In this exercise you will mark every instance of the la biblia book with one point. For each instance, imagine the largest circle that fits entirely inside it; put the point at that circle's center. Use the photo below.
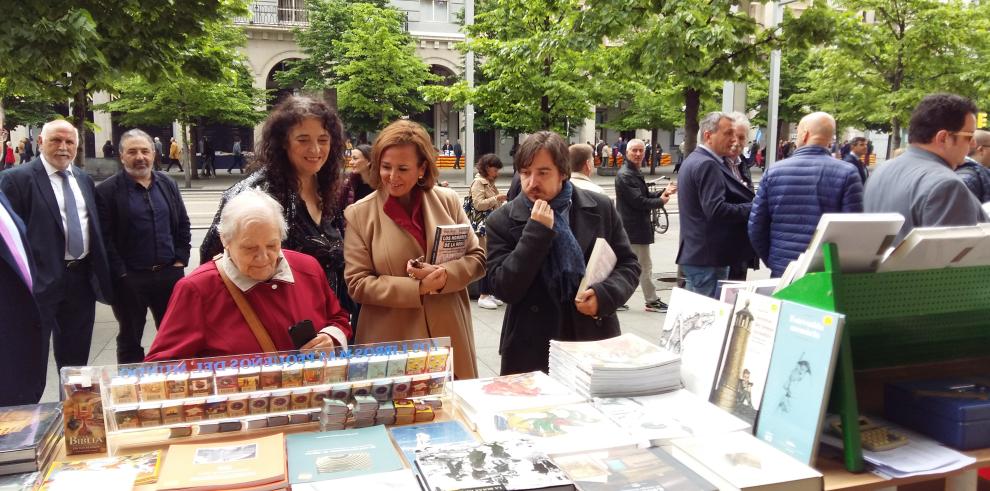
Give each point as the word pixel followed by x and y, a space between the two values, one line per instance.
pixel 600 264
pixel 695 328
pixel 235 464
pixel 450 242
pixel 745 360
pixel 500 465
pixel 321 456
pixel 801 368
pixel 630 469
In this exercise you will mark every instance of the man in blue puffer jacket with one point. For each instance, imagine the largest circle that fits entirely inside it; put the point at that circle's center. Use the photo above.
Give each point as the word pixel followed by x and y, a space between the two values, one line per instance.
pixel 795 193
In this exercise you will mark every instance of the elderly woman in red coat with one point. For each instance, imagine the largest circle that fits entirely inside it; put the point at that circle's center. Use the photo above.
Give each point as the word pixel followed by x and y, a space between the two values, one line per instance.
pixel 282 287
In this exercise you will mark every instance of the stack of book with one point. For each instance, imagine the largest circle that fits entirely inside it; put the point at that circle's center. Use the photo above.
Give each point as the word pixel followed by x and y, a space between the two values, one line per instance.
pixel 480 399
pixel 29 436
pixel 622 366
pixel 334 415
pixel 363 410
pixel 257 464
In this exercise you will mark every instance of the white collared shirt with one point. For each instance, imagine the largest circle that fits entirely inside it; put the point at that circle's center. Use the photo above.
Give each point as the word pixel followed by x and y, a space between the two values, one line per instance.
pixel 283 274
pixel 81 210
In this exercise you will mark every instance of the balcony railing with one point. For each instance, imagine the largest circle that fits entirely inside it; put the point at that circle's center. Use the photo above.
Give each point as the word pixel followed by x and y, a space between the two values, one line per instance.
pixel 270 15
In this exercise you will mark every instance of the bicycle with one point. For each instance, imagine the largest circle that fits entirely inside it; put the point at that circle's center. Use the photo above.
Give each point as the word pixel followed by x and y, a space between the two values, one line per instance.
pixel 658 216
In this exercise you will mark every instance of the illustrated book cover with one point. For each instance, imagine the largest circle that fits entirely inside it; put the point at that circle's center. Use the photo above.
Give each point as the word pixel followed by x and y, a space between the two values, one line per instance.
pixel 630 469
pixel 565 428
pixel 480 399
pixel 695 328
pixel 147 466
pixel 663 417
pixel 801 367
pixel 740 461
pixel 321 456
pixel 499 465
pixel 410 438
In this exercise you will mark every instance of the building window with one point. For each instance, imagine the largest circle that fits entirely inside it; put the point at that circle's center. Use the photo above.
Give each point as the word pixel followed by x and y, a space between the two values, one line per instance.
pixel 433 10
pixel 292 11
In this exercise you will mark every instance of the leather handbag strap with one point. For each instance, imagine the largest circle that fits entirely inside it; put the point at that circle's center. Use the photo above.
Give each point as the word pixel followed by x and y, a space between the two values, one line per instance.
pixel 260 333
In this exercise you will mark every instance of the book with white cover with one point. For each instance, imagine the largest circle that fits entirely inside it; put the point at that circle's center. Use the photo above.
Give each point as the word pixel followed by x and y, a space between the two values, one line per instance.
pixel 479 399
pixel 695 328
pixel 980 254
pixel 862 240
pixel 746 354
pixel 740 461
pixel 627 351
pixel 503 465
pixel 600 264
pixel 561 429
pixel 932 248
pixel 664 417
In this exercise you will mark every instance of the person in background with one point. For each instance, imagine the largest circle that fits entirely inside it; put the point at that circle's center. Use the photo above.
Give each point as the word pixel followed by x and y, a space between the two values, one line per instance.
pixel 486 198
pixel 27 153
pixel 458 152
pixel 582 164
pixel 538 246
pixel 159 154
pixel 387 246
pixel 975 170
pixel 146 229
pixel 857 152
pixel 108 150
pixel 280 287
pixel 298 163
pixel 356 185
pixel 173 155
pixel 238 156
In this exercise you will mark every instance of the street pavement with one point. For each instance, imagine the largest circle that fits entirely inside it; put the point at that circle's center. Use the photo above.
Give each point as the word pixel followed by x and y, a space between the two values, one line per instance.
pixel 201 203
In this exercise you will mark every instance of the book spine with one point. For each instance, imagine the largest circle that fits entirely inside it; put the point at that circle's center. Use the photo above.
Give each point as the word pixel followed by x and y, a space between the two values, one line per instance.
pixel 436 245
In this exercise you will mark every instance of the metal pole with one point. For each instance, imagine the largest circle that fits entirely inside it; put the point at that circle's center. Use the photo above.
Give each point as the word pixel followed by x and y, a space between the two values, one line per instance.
pixel 774 94
pixel 469 109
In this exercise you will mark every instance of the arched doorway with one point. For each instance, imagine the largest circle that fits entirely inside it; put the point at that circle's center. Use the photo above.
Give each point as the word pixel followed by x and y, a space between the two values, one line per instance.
pixel 440 119
pixel 276 90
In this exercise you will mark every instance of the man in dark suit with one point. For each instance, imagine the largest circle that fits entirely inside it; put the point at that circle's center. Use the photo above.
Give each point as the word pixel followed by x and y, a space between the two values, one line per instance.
pixel 458 152
pixel 714 207
pixel 23 354
pixel 147 240
pixel 857 152
pixel 57 202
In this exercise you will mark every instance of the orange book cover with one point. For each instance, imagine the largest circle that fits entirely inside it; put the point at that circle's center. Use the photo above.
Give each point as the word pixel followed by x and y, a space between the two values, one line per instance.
pixel 233 464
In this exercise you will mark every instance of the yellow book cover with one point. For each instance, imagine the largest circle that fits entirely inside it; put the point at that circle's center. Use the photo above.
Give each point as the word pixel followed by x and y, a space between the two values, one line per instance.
pixel 224 465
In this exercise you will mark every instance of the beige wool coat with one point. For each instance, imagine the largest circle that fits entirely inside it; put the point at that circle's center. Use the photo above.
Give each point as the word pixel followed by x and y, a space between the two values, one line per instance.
pixel 376 251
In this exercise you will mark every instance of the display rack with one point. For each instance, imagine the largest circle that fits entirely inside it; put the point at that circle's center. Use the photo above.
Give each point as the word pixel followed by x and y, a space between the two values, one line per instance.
pixel 152 403
pixel 894 319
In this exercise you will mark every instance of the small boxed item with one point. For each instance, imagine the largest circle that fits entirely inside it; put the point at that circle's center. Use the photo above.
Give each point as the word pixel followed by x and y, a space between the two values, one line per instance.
pixel 201 383
pixel 123 390
pixel 955 412
pixel 249 379
pixel 227 381
pixel 177 386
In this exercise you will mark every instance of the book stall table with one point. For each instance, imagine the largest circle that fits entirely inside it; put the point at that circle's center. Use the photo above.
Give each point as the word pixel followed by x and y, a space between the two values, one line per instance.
pixel 899 326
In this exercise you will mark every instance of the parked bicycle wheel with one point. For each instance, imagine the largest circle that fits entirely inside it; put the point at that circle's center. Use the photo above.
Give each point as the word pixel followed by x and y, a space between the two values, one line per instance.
pixel 659 220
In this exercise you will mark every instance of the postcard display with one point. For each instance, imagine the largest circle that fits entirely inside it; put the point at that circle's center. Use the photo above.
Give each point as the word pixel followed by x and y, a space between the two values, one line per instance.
pixel 114 406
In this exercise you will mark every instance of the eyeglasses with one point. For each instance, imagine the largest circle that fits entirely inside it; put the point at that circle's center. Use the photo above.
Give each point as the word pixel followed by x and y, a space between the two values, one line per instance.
pixel 967 134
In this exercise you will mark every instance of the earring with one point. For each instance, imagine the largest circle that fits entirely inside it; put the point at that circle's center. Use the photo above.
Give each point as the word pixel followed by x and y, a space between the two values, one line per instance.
pixel 420 182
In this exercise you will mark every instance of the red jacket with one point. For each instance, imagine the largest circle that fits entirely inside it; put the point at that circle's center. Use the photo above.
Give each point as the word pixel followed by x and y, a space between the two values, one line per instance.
pixel 203 320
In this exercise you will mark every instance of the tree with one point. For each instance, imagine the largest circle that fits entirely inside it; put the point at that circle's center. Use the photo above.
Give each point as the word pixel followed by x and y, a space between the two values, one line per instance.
pixel 72 48
pixel 380 74
pixel 892 53
pixel 794 67
pixel 695 43
pixel 230 99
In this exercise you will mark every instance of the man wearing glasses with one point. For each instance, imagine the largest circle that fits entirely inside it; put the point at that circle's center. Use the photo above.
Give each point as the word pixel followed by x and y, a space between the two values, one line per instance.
pixel 921 184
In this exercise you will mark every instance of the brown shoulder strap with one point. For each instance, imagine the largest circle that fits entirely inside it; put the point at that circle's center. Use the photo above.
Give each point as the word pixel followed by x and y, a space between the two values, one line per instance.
pixel 267 345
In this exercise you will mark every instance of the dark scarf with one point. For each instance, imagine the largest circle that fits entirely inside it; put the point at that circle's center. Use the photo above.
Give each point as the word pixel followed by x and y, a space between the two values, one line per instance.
pixel 564 267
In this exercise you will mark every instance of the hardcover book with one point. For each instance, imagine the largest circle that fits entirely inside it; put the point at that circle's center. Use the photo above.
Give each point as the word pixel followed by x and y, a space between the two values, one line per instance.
pixel 740 461
pixel 82 415
pixel 745 357
pixel 630 469
pixel 558 429
pixel 509 465
pixel 801 368
pixel 147 466
pixel 322 456
pixel 418 437
pixel 24 430
pixel 450 242
pixel 695 328
pixel 862 240
pixel 226 465
pixel 933 248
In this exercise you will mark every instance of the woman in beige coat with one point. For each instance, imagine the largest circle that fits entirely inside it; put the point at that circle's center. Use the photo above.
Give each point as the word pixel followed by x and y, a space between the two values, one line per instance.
pixel 388 230
pixel 486 198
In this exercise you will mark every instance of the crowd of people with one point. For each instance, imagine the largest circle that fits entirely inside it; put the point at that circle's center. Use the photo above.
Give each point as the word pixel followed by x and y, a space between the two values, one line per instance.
pixel 300 242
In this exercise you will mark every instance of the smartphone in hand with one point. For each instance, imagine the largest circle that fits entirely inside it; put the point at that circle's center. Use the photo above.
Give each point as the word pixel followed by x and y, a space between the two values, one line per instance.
pixel 302 333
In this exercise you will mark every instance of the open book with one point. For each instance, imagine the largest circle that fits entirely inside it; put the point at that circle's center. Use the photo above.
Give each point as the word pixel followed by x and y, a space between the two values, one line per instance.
pixel 600 264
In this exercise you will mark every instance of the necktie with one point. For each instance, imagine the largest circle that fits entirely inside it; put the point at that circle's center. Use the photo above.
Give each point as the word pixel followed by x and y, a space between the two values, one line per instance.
pixel 74 237
pixel 15 251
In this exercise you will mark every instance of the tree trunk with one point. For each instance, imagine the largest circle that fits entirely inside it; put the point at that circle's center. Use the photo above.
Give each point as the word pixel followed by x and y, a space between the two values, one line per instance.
pixel 79 108
pixel 655 158
pixel 545 100
pixel 895 135
pixel 692 104
pixel 187 168
pixel 194 144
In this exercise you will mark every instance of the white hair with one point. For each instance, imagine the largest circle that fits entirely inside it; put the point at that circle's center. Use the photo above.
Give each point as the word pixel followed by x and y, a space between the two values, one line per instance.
pixel 250 205
pixel 50 126
pixel 739 118
pixel 635 140
pixel 135 133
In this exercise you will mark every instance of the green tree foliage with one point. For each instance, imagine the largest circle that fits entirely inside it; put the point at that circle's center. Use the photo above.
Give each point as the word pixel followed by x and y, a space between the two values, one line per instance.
pixel 380 74
pixel 72 48
pixel 695 44
pixel 891 53
pixel 229 99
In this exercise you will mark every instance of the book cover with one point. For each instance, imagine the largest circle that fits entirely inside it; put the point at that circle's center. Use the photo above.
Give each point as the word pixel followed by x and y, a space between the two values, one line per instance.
pixel 933 248
pixel 449 242
pixel 321 456
pixel 738 460
pixel 630 469
pixel 627 351
pixel 147 466
pixel 745 357
pixel 480 398
pixel 695 328
pixel 600 264
pixel 225 465
pixel 19 482
pixel 82 416
pixel 24 430
pixel 800 377
pixel 557 429
pixel 401 480
pixel 862 239
pixel 503 465
pixel 664 417
pixel 418 437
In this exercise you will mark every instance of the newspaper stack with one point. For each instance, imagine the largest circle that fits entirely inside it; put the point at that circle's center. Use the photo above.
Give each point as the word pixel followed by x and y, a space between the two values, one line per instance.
pixel 385 414
pixel 623 366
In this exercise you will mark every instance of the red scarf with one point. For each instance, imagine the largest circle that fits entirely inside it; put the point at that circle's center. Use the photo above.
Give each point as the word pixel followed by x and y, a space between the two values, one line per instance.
pixel 411 223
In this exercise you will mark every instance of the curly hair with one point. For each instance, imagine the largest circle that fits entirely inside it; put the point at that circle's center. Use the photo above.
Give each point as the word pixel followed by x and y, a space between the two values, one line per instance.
pixel 273 158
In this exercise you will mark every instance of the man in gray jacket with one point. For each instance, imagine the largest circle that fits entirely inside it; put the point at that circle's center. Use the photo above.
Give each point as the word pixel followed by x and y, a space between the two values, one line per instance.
pixel 921 184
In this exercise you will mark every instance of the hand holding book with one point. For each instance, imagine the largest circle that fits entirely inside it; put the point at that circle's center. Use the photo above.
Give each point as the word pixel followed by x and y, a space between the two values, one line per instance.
pixel 587 303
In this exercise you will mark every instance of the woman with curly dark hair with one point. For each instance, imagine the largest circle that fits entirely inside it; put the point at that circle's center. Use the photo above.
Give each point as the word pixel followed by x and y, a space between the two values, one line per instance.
pixel 298 163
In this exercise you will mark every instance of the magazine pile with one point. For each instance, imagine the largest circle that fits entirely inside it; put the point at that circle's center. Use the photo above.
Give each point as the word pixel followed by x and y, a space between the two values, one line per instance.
pixel 622 366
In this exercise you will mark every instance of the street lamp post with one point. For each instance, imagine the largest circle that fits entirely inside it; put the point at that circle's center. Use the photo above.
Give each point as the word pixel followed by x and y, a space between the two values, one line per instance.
pixel 469 109
pixel 776 9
